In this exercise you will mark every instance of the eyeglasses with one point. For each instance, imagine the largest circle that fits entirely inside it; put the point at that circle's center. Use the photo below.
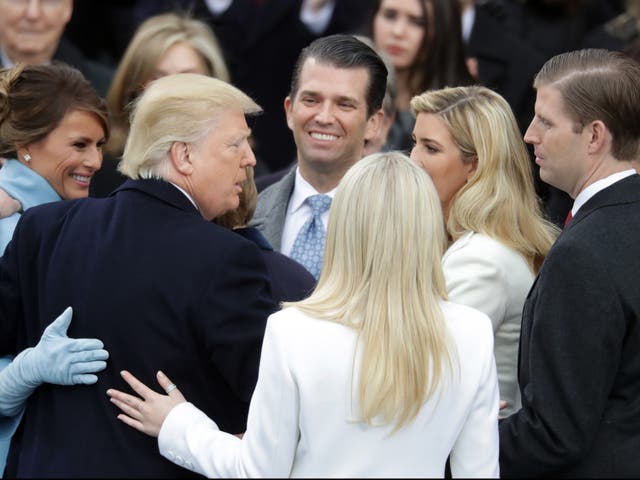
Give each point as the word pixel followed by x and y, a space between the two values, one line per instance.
pixel 44 4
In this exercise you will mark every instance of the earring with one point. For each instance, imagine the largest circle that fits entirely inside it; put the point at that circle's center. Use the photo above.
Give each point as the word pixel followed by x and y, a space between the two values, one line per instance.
pixel 27 157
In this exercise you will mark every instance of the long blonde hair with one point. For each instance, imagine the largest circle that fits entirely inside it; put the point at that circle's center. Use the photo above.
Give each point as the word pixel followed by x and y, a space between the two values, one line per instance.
pixel 152 39
pixel 499 200
pixel 382 276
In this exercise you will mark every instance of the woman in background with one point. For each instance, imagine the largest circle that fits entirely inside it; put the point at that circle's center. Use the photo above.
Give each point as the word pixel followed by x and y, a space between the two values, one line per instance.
pixel 468 141
pixel 375 374
pixel 423 39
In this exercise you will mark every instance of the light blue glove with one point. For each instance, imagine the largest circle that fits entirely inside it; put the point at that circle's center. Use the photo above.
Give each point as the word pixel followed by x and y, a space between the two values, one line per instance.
pixel 56 359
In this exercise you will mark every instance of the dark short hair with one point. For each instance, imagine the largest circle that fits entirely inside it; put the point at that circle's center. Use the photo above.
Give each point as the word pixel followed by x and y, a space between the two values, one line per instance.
pixel 598 84
pixel 35 98
pixel 346 51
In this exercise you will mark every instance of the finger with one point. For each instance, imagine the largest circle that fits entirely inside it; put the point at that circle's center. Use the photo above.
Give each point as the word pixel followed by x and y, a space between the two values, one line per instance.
pixel 165 383
pixel 89 356
pixel 60 325
pixel 131 422
pixel 137 386
pixel 82 344
pixel 87 367
pixel 123 397
pixel 84 379
pixel 127 409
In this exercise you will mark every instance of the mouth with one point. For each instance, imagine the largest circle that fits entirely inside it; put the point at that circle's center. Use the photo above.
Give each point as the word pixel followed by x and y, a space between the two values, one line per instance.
pixel 323 137
pixel 83 180
pixel 395 50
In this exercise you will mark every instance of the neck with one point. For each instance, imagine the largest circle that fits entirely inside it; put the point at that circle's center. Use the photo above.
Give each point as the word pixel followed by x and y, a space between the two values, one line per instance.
pixel 602 169
pixel 323 181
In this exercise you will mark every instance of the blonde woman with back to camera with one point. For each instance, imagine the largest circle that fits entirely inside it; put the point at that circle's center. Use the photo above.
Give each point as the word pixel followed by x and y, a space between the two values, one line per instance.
pixel 375 374
pixel 467 139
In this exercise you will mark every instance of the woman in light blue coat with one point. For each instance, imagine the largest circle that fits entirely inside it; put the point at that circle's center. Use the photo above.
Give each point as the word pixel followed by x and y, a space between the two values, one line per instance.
pixel 52 128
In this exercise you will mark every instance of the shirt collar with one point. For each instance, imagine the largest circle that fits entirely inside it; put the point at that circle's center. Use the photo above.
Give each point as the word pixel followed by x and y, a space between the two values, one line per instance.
pixel 303 190
pixel 595 187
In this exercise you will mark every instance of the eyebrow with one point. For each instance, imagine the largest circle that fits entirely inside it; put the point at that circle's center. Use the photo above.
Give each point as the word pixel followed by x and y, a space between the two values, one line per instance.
pixel 426 139
pixel 340 98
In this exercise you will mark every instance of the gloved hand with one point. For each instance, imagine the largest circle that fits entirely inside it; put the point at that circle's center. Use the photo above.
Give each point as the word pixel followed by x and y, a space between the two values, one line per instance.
pixel 61 360
pixel 56 359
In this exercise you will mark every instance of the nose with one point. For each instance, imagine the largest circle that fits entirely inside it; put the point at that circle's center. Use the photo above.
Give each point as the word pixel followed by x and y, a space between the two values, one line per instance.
pixel 398 27
pixel 325 113
pixel 34 9
pixel 530 136
pixel 93 159
pixel 249 158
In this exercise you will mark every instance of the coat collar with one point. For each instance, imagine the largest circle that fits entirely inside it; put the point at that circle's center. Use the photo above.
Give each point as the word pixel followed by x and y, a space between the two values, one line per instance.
pixel 161 190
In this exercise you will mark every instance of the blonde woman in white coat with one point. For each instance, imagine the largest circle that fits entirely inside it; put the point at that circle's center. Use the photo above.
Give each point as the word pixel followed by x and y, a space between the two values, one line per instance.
pixel 467 139
pixel 375 374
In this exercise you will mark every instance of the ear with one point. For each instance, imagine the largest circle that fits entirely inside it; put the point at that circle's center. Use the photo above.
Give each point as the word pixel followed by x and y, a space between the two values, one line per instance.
pixel 471 167
pixel 600 136
pixel 180 154
pixel 374 124
pixel 288 105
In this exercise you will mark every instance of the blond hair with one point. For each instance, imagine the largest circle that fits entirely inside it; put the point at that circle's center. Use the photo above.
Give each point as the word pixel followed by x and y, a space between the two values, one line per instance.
pixel 151 41
pixel 382 276
pixel 499 200
pixel 177 108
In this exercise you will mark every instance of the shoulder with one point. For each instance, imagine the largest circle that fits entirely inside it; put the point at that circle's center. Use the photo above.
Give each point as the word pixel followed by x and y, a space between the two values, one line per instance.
pixel 468 325
pixel 477 248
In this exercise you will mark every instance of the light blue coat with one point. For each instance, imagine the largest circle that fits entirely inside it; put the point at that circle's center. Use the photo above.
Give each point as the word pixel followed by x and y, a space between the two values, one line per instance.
pixel 26 186
pixel 30 189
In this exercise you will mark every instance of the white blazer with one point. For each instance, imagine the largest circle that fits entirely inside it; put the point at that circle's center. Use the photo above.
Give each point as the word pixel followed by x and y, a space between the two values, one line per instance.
pixel 303 417
pixel 485 274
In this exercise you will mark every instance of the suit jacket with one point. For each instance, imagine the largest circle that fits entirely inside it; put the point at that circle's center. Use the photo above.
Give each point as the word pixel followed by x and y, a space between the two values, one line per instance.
pixel 271 210
pixel 306 400
pixel 163 289
pixel 290 281
pixel 579 368
pixel 486 274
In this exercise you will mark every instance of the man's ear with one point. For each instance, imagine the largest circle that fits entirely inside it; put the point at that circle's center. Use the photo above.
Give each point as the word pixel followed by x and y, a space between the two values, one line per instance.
pixel 374 124
pixel 600 136
pixel 288 103
pixel 180 154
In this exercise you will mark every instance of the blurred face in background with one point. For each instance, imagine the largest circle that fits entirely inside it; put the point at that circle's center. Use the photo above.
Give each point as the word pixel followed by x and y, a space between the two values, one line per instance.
pixel 70 155
pixel 180 58
pixel 399 27
pixel 31 29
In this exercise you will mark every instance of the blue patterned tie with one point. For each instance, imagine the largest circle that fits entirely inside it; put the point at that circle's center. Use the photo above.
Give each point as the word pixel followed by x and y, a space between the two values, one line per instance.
pixel 309 245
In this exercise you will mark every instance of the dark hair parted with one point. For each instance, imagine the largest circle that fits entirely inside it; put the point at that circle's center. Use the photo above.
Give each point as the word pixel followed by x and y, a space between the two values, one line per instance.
pixel 598 84
pixel 346 51
pixel 35 98
pixel 440 61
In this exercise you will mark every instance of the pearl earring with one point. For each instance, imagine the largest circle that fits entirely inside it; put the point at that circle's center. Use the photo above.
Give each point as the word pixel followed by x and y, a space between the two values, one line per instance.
pixel 27 157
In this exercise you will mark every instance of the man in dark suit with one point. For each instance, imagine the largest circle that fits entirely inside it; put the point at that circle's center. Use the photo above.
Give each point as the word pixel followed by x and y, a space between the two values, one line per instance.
pixel 579 368
pixel 333 108
pixel 148 273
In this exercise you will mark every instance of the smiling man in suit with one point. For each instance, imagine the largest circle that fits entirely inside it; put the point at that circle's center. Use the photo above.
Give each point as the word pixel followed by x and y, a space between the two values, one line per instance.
pixel 334 107
pixel 579 368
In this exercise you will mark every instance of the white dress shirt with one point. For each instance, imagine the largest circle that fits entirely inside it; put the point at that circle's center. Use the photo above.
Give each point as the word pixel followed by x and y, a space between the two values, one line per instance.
pixel 597 186
pixel 298 212
pixel 303 416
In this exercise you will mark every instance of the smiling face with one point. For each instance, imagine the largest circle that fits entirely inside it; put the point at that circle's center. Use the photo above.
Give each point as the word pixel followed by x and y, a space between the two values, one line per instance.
pixel 70 155
pixel 560 150
pixel 218 165
pixel 436 152
pixel 328 117
pixel 399 28
pixel 31 29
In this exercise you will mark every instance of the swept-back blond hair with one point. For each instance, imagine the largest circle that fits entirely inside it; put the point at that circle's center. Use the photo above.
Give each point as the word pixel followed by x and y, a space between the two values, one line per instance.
pixel 499 200
pixel 382 276
pixel 177 108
